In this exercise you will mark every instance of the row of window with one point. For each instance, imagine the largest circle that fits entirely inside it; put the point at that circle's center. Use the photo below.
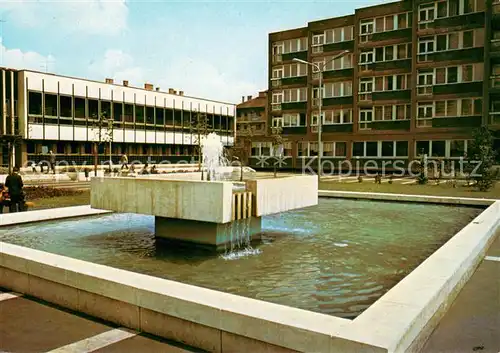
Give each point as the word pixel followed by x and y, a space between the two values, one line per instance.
pixel 82 108
pixel 328 63
pixel 427 13
pixel 290 70
pixel 384 24
pixel 450 108
pixel 336 35
pixel 77 148
pixel 451 41
pixel 448 75
pixel 385 53
pixel 365 149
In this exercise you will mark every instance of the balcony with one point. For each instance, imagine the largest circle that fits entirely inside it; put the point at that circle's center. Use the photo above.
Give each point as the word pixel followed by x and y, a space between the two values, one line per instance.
pixel 494 118
pixel 495 49
pixel 275 107
pixel 346 100
pixel 396 34
pixel 302 55
pixel 392 95
pixel 474 88
pixel 275 83
pixel 337 73
pixel 495 84
pixel 299 80
pixel 495 20
pixel 347 45
pixel 471 20
pixel 469 55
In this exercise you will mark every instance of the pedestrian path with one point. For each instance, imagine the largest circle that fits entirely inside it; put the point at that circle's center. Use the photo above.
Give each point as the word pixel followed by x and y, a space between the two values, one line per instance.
pixel 472 324
pixel 28 325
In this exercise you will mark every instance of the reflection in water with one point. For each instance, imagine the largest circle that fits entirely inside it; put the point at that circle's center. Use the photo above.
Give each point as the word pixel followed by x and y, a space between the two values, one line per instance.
pixel 336 258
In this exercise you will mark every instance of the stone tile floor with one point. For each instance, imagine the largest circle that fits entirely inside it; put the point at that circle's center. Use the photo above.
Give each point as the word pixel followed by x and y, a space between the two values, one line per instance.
pixel 31 326
pixel 472 324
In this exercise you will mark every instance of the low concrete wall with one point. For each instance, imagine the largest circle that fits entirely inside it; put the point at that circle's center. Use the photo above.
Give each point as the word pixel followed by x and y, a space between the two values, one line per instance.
pixel 182 199
pixel 203 318
pixel 277 195
pixel 447 200
pixel 400 321
pixel 9 219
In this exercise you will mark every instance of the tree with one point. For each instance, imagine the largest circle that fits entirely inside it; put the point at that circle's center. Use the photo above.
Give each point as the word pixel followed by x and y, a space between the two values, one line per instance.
pixel 199 125
pixel 482 156
pixel 277 141
pixel 242 147
pixel 10 141
pixel 103 132
pixel 422 177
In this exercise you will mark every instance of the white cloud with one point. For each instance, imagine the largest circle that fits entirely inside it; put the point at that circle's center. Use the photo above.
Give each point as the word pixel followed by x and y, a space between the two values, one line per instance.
pixel 89 16
pixel 117 65
pixel 17 59
pixel 195 77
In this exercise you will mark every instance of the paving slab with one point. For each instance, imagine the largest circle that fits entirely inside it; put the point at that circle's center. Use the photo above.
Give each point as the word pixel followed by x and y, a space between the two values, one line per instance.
pixel 28 326
pixel 472 324
pixel 141 344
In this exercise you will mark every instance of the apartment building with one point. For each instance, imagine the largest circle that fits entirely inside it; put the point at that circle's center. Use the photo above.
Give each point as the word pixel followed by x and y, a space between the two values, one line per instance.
pixel 415 77
pixel 58 113
pixel 251 116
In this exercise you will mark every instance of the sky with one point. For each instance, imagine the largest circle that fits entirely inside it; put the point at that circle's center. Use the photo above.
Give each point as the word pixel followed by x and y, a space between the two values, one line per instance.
pixel 210 49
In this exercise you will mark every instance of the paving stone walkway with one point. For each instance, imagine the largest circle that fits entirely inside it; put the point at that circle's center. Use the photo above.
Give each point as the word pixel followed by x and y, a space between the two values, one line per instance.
pixel 30 326
pixel 472 324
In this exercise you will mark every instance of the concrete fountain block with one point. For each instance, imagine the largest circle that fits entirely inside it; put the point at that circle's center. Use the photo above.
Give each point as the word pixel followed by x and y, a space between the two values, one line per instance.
pixel 276 195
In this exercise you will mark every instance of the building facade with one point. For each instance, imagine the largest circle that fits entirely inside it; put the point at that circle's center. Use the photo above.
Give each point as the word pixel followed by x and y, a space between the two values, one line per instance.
pixel 251 116
pixel 418 77
pixel 58 113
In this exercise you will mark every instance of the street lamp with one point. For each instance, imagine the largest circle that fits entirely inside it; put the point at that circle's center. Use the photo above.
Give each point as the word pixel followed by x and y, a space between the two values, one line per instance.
pixel 320 67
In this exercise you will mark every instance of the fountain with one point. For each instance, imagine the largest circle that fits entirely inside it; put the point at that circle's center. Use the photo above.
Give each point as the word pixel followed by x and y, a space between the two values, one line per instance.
pixel 213 156
pixel 213 213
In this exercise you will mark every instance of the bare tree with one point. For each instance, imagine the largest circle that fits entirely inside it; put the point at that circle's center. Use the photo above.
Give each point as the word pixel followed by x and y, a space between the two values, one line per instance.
pixel 102 128
pixel 242 147
pixel 199 125
pixel 277 141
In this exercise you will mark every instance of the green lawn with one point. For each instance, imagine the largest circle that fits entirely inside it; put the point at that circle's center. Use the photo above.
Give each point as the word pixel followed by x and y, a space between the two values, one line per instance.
pixel 61 201
pixel 413 189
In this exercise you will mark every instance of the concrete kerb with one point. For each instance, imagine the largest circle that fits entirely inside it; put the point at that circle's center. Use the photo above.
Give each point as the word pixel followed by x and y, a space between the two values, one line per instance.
pixel 400 321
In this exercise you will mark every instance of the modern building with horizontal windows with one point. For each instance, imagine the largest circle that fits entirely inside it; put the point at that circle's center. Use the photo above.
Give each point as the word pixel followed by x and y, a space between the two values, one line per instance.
pixel 58 113
pixel 399 79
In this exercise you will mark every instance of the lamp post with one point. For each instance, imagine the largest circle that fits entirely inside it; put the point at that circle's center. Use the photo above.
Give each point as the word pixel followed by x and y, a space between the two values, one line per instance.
pixel 320 68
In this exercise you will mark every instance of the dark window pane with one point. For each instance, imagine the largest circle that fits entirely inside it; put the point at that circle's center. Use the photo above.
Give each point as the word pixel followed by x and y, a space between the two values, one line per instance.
pixel 387 149
pixel 139 114
pixel 438 148
pixel 422 148
pixel 401 148
pixel 371 149
pixel 35 103
pixel 358 149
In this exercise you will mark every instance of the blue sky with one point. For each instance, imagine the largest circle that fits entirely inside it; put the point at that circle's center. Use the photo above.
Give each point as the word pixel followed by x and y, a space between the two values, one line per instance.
pixel 210 49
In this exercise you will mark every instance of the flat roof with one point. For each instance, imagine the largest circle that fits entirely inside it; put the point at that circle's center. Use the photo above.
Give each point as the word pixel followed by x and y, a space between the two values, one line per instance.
pixel 113 84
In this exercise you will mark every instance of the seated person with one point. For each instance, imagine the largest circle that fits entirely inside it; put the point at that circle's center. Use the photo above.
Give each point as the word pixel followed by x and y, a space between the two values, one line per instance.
pixel 4 198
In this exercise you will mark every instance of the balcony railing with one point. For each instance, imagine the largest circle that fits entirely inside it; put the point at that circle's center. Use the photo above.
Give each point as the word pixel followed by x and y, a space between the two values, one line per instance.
pixel 276 107
pixel 495 45
pixel 494 118
pixel 496 7
pixel 495 82
pixel 276 83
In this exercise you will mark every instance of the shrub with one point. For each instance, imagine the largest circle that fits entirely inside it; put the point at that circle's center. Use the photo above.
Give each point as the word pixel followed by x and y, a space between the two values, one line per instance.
pixel 44 192
pixel 4 170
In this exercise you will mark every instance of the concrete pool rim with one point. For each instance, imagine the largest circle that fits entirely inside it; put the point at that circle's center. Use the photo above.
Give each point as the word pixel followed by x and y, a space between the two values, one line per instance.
pixel 399 321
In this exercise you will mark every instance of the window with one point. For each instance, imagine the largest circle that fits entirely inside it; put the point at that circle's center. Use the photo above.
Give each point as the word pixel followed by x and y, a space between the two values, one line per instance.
pixel 277 122
pixel 468 39
pixel 291 120
pixel 426 45
pixel 401 148
pixel 438 148
pixel 318 39
pixel 366 57
pixel 35 103
pixel 365 115
pixel 277 97
pixel 467 73
pixel 358 149
pixel 337 116
pixel 457 148
pixel 277 73
pixel 452 74
pixel 371 149
pixel 425 111
pixel 340 149
pixel 426 13
pixel 387 148
pixel 365 88
pixel 466 107
pixel 422 148
pixel 424 83
pixel 294 70
pixel 366 27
